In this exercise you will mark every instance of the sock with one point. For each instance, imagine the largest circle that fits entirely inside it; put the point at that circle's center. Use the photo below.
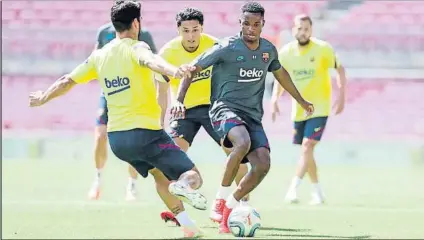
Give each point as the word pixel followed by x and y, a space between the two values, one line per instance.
pixel 223 192
pixel 316 188
pixel 295 182
pixel 231 202
pixel 131 181
pixel 98 173
pixel 185 220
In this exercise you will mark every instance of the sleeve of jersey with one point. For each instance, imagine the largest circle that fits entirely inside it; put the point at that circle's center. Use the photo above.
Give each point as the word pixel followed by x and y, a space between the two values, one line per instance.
pixel 85 72
pixel 331 57
pixel 147 38
pixel 275 64
pixel 212 56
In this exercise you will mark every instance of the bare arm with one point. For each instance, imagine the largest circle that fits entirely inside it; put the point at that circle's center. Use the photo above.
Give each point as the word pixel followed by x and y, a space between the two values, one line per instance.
pixel 277 91
pixel 162 98
pixel 284 79
pixel 153 61
pixel 58 88
pixel 341 79
pixel 185 84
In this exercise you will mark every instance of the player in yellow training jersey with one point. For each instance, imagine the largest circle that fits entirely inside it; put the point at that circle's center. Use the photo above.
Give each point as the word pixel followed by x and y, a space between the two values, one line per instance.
pixel 183 50
pixel 124 70
pixel 308 61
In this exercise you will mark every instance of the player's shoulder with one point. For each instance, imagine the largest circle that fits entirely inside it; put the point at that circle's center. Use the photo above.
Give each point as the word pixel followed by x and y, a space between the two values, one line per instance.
pixel 141 44
pixel 320 43
pixel 229 42
pixel 286 48
pixel 209 37
pixel 172 45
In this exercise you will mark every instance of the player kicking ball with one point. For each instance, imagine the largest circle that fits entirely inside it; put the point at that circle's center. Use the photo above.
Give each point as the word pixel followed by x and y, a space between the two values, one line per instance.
pixel 124 70
pixel 240 65
pixel 316 57
pixel 183 49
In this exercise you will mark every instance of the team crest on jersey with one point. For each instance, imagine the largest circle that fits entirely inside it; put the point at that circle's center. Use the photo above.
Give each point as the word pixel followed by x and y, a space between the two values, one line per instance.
pixel 265 57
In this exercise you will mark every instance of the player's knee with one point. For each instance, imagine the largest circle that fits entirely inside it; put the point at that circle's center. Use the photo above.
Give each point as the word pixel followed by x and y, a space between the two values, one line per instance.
pixel 308 145
pixel 243 144
pixel 264 161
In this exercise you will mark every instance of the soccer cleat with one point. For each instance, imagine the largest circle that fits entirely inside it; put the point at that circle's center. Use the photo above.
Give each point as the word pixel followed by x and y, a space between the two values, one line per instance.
pixel 291 197
pixel 131 194
pixel 217 209
pixel 94 192
pixel 223 226
pixel 192 232
pixel 169 216
pixel 317 199
pixel 188 195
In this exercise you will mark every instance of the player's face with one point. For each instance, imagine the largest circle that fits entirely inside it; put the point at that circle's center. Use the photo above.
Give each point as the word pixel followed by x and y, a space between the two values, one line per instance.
pixel 251 26
pixel 302 31
pixel 190 32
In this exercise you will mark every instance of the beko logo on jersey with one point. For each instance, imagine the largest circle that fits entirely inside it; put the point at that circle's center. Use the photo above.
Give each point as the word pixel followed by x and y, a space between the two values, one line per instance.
pixel 252 75
pixel 202 75
pixel 123 83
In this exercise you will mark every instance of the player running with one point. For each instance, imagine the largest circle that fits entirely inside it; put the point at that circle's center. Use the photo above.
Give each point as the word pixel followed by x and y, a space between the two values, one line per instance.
pixel 182 50
pixel 240 65
pixel 134 131
pixel 307 60
pixel 105 34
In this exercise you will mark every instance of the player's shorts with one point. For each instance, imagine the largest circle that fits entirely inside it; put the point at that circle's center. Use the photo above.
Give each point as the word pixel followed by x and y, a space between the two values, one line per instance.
pixel 188 127
pixel 312 129
pixel 224 119
pixel 146 149
pixel 102 117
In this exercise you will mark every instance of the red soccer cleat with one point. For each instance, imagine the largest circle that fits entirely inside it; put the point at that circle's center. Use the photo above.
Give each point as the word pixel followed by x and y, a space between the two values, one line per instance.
pixel 223 226
pixel 217 209
pixel 169 216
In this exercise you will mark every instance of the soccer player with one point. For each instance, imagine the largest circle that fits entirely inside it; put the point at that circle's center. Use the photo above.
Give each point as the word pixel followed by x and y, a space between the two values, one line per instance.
pixel 183 49
pixel 240 65
pixel 124 70
pixel 105 34
pixel 308 61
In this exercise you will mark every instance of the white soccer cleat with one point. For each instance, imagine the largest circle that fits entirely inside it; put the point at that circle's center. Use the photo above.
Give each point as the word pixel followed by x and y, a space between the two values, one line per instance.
pixel 131 194
pixel 94 192
pixel 291 197
pixel 188 195
pixel 317 199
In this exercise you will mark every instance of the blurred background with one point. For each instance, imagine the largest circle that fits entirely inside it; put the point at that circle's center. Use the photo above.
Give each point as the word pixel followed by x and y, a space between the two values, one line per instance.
pixel 381 44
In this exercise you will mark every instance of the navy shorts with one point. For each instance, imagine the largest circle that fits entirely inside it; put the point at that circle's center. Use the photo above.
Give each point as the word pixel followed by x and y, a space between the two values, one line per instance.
pixel 312 129
pixel 146 149
pixel 224 119
pixel 102 118
pixel 188 127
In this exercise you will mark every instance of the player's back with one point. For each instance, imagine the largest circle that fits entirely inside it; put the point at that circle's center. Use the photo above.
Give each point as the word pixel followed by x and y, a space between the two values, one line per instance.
pixel 238 79
pixel 128 87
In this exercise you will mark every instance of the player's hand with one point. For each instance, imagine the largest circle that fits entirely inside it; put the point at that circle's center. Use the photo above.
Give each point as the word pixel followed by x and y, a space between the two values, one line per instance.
pixel 339 104
pixel 308 107
pixel 275 110
pixel 178 110
pixel 184 71
pixel 36 99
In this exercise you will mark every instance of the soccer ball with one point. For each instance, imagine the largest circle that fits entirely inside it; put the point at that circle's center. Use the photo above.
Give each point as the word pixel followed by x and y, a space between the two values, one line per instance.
pixel 244 221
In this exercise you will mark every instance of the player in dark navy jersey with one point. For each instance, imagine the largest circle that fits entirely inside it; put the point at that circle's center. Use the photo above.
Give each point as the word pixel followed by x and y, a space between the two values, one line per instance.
pixel 240 65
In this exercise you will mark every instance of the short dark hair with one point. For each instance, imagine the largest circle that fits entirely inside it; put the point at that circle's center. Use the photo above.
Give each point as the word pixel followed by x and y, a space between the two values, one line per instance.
pixel 123 13
pixel 253 7
pixel 303 17
pixel 189 14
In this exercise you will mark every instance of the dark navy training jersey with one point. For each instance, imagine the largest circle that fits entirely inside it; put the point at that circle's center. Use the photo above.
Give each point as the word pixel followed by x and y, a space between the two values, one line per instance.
pixel 238 75
pixel 107 33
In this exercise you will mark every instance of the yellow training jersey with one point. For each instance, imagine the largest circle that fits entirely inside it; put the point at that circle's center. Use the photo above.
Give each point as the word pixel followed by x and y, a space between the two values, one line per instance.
pixel 128 87
pixel 309 69
pixel 200 90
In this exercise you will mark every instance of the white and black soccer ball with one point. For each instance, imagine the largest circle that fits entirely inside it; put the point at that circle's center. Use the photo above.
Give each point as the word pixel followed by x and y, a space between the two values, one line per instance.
pixel 244 221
